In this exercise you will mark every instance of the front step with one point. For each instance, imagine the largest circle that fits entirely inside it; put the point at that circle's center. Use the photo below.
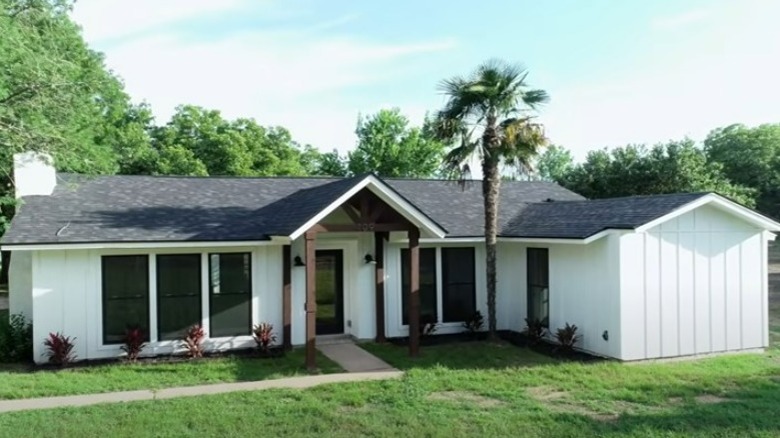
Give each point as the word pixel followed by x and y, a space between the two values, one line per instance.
pixel 334 339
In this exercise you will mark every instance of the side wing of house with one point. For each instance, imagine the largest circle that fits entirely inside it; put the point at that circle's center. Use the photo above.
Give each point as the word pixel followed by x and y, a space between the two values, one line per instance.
pixel 690 281
pixel 695 284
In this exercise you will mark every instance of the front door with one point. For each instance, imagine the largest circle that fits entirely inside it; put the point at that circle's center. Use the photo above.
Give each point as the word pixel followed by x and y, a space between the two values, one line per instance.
pixel 330 291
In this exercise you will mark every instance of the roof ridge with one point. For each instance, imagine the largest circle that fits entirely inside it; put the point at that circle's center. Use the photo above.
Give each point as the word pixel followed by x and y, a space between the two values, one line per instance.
pixel 616 198
pixel 207 177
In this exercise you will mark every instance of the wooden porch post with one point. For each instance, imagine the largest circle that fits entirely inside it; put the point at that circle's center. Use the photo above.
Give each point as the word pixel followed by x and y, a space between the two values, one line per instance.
pixel 414 292
pixel 286 298
pixel 379 257
pixel 311 299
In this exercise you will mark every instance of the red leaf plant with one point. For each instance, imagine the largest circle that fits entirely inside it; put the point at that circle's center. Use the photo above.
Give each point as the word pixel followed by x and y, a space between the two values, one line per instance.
pixel 59 349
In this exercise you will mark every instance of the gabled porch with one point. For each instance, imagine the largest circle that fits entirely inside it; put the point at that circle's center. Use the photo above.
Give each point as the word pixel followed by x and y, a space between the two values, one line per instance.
pixel 334 266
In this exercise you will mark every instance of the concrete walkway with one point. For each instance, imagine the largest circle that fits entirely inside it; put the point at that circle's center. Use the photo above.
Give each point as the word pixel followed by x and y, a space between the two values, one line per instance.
pixel 189 391
pixel 354 359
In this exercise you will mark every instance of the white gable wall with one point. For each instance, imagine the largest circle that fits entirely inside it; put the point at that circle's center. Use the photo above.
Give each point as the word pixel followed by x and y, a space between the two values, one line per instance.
pixel 695 284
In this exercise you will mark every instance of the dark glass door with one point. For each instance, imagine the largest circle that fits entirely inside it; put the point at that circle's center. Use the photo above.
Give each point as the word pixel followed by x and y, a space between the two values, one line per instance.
pixel 330 292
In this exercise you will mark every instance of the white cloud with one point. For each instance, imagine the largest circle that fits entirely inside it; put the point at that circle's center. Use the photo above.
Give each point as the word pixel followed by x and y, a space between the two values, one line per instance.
pixel 303 78
pixel 686 87
pixel 108 19
pixel 687 18
pixel 314 79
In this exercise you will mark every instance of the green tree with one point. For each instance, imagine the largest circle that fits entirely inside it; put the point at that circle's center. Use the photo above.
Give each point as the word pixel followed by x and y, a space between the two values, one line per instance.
pixel 216 146
pixel 750 157
pixel 388 147
pixel 673 167
pixel 490 114
pixel 330 164
pixel 56 96
pixel 554 163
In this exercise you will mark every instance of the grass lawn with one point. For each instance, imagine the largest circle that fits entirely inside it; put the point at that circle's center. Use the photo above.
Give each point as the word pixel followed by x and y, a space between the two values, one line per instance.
pixel 18 382
pixel 726 396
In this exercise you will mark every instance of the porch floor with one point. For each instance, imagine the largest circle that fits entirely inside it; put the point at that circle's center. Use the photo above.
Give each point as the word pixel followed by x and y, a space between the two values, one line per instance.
pixel 353 358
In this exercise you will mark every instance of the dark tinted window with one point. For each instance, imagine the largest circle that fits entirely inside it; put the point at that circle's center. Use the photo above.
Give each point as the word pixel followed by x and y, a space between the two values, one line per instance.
pixel 458 289
pixel 125 295
pixel 230 285
pixel 178 294
pixel 427 284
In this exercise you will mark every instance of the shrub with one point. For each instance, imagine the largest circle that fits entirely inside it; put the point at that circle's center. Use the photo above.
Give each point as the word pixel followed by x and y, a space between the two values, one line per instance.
pixel 16 339
pixel 134 343
pixel 193 341
pixel 567 337
pixel 534 330
pixel 59 349
pixel 475 323
pixel 264 335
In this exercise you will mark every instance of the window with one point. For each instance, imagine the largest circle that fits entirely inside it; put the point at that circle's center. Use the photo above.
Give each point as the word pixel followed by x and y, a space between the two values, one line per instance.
pixel 125 295
pixel 230 284
pixel 458 289
pixel 178 294
pixel 427 284
pixel 538 285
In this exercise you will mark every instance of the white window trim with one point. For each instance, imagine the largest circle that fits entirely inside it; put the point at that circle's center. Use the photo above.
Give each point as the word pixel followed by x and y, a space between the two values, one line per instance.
pixel 156 346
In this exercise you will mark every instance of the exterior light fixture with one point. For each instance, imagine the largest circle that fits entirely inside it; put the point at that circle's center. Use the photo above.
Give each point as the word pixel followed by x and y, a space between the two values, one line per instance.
pixel 369 259
pixel 297 261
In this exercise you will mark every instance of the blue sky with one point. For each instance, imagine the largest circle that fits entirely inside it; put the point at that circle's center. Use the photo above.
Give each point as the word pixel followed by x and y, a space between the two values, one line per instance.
pixel 618 72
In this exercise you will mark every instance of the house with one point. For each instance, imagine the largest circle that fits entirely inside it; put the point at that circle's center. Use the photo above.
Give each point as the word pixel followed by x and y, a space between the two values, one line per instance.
pixel 642 277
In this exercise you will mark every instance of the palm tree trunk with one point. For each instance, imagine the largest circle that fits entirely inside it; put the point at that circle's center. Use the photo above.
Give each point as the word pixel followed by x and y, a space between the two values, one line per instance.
pixel 490 187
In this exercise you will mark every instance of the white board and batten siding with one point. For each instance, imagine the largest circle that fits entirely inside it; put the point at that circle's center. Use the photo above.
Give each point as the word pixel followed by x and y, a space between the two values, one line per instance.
pixel 695 284
pixel 67 292
pixel 583 285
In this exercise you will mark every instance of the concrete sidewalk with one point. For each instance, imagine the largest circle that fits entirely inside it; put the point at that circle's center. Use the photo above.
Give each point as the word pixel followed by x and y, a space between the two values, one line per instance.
pixel 189 391
pixel 354 359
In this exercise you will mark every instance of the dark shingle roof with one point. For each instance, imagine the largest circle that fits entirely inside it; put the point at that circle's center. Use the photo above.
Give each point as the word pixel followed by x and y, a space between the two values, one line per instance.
pixel 581 219
pixel 152 208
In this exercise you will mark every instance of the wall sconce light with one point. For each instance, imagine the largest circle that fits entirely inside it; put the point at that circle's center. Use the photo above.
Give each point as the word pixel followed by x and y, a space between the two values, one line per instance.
pixel 297 261
pixel 369 259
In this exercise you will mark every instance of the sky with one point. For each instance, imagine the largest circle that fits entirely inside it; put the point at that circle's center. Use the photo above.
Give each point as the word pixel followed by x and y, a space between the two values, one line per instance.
pixel 617 71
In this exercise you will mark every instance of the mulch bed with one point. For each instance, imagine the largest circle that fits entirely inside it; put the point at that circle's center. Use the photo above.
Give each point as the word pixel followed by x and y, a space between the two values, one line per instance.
pixel 547 348
pixel 518 339
pixel 273 352
pixel 441 339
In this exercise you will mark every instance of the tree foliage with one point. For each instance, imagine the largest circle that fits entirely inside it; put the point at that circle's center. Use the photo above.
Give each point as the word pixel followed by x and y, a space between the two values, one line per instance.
pixel 750 157
pixel 554 163
pixel 673 167
pixel 55 95
pixel 199 141
pixel 331 164
pixel 490 114
pixel 389 147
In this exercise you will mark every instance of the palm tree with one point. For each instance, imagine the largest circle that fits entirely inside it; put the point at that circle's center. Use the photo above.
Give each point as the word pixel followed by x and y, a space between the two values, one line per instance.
pixel 490 115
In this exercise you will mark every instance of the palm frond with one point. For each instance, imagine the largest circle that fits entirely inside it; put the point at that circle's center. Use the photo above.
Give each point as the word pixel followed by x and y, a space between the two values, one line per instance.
pixel 534 98
pixel 521 141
